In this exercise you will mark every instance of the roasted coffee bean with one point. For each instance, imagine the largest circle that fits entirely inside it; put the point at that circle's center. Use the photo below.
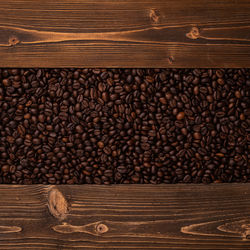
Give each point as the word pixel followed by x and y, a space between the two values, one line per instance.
pixel 41 126
pixel 79 129
pixel 180 116
pixel 202 151
pixel 187 179
pixel 107 150
pixel 100 144
pixel 122 169
pixel 104 126
pixel 197 136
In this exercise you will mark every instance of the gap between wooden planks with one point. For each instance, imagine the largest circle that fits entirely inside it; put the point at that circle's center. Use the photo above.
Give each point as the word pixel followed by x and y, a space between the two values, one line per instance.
pixel 125 33
pixel 215 216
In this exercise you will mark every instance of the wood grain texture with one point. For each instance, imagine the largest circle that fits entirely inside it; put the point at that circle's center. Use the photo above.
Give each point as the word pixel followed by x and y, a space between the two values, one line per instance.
pixel 125 217
pixel 124 33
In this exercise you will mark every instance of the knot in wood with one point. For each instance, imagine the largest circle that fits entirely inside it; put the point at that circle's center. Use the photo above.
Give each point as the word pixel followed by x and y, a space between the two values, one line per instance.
pixel 170 59
pixel 154 15
pixel 101 228
pixel 194 33
pixel 57 204
pixel 13 41
pixel 246 233
pixel 10 229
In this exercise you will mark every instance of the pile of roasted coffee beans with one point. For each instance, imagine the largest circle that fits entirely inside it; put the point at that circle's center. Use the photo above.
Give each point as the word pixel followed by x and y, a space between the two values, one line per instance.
pixel 104 126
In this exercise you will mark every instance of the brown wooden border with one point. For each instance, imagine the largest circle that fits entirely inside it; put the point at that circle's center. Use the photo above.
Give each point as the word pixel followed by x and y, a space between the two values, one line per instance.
pixel 124 33
pixel 184 216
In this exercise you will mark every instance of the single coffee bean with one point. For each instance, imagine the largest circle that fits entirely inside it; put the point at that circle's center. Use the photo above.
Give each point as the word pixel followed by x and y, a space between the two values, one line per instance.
pixel 107 150
pixel 79 129
pixel 197 135
pixel 41 126
pixel 196 90
pixel 100 144
pixel 122 169
pixel 237 94
pixel 180 116
pixel 187 178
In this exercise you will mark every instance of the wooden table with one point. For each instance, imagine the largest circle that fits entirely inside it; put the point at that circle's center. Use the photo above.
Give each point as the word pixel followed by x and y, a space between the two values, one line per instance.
pixel 125 217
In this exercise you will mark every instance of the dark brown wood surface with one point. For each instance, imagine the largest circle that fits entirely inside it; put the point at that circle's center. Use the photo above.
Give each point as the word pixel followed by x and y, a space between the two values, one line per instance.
pixel 125 217
pixel 124 33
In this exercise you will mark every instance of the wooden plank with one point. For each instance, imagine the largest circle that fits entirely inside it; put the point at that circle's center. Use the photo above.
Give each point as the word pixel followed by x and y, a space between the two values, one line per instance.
pixel 125 217
pixel 124 33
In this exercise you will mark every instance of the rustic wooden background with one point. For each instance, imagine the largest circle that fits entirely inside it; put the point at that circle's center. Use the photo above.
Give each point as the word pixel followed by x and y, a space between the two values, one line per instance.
pixel 124 33
pixel 125 217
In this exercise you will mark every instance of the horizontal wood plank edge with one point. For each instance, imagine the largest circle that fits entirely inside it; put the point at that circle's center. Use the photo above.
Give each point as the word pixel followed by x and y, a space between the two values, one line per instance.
pixel 183 34
pixel 120 216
